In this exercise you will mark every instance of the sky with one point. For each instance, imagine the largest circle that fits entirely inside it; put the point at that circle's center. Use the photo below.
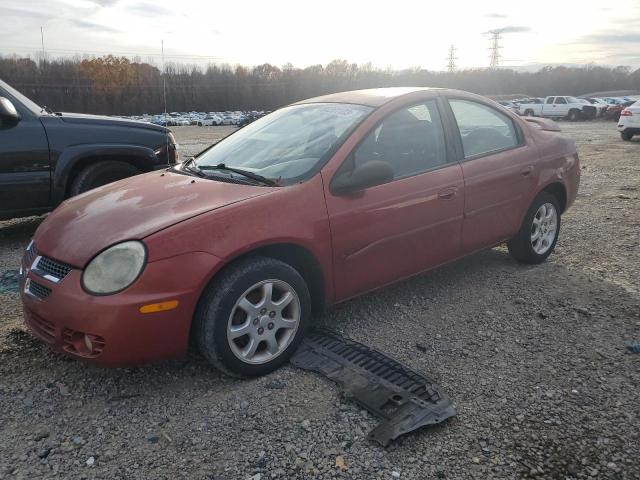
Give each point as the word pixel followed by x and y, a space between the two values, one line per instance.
pixel 392 33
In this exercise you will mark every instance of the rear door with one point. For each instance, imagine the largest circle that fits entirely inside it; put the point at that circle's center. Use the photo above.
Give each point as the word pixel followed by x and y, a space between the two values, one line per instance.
pixel 412 223
pixel 24 163
pixel 498 171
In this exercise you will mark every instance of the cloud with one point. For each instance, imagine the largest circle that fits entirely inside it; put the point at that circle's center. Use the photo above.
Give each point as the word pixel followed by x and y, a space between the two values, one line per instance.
pixel 515 29
pixel 150 10
pixel 509 29
pixel 616 38
pixel 94 27
pixel 21 13
pixel 105 3
pixel 496 15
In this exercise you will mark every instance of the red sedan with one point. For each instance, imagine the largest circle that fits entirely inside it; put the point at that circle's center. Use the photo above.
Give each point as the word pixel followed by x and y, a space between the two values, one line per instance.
pixel 313 204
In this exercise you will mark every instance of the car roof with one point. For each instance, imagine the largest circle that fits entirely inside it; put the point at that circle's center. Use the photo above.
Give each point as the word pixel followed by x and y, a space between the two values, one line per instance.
pixel 372 97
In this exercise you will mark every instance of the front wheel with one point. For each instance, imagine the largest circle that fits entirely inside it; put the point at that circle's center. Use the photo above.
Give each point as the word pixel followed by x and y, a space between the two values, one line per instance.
pixel 100 173
pixel 573 115
pixel 539 231
pixel 251 319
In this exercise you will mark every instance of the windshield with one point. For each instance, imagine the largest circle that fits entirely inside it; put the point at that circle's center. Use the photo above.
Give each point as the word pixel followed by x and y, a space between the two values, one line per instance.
pixel 573 100
pixel 27 103
pixel 287 144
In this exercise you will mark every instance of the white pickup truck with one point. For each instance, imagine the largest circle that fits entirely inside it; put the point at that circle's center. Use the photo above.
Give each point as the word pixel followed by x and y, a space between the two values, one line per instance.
pixel 559 107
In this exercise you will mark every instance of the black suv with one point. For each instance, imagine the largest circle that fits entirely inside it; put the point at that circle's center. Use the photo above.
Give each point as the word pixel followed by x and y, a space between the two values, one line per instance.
pixel 46 157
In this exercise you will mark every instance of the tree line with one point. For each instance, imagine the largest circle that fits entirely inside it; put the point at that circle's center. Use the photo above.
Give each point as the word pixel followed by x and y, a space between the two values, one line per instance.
pixel 120 86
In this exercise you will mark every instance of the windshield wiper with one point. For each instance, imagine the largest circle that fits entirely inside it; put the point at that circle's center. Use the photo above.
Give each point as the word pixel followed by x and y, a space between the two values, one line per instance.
pixel 239 171
pixel 186 165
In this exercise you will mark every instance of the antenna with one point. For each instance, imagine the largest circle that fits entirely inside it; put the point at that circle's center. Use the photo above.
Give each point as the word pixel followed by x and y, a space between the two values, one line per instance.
pixel 451 59
pixel 494 57
pixel 164 96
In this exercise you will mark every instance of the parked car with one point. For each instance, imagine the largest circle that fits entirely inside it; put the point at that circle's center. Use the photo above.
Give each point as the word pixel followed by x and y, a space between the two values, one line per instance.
pixel 528 112
pixel 601 105
pixel 509 105
pixel 210 120
pixel 629 121
pixel 46 157
pixel 316 203
pixel 614 110
pixel 570 108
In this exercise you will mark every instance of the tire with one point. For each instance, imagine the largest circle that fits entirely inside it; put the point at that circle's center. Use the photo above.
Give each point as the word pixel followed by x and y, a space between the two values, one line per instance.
pixel 522 247
pixel 199 124
pixel 528 113
pixel 573 115
pixel 626 136
pixel 100 173
pixel 219 311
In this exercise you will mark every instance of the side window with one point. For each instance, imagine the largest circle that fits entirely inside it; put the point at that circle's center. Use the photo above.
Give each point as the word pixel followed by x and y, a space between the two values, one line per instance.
pixel 482 128
pixel 550 100
pixel 561 100
pixel 410 140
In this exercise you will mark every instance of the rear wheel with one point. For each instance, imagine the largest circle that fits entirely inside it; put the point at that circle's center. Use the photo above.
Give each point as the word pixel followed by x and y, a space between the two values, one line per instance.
pixel 539 231
pixel 528 112
pixel 101 173
pixel 252 318
pixel 626 136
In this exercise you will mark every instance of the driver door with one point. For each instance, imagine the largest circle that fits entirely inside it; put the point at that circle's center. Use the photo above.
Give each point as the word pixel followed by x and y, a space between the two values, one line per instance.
pixel 391 231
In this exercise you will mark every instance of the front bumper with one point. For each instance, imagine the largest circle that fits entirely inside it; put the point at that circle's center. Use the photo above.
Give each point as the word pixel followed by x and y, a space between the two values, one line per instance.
pixel 119 333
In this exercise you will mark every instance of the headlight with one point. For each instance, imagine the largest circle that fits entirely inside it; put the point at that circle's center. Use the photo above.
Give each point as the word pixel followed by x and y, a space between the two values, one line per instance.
pixel 115 269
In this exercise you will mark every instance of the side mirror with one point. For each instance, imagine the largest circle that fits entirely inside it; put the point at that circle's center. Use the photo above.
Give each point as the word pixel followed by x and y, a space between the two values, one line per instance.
pixel 8 112
pixel 367 175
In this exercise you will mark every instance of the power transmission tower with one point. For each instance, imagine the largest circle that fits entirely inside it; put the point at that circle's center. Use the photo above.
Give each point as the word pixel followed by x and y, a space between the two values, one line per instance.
pixel 451 59
pixel 494 57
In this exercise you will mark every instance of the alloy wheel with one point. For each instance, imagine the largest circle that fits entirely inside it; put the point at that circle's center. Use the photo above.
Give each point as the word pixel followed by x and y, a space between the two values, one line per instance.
pixel 264 321
pixel 544 228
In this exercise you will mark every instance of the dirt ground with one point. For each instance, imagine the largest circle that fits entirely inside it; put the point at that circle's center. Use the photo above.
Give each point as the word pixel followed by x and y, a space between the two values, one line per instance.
pixel 534 358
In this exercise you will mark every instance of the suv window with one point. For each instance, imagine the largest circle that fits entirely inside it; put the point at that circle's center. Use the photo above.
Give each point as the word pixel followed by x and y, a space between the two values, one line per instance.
pixel 561 100
pixel 411 140
pixel 550 100
pixel 482 128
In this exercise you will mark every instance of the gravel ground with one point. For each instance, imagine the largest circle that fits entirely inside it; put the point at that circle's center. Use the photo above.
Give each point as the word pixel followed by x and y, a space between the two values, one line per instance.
pixel 534 358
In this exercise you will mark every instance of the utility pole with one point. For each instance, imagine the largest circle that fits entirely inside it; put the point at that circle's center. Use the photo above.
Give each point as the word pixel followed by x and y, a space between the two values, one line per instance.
pixel 451 59
pixel 494 57
pixel 42 43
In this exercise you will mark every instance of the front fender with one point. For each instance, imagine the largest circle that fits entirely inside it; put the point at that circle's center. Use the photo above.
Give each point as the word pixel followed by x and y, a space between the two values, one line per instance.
pixel 70 157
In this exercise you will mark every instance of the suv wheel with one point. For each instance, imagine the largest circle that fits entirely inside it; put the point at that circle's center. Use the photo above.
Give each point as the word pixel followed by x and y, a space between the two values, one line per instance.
pixel 528 113
pixel 539 231
pixel 626 136
pixel 101 173
pixel 252 318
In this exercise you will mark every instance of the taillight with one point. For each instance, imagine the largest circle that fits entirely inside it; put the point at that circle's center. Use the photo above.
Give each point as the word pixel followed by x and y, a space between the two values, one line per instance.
pixel 626 113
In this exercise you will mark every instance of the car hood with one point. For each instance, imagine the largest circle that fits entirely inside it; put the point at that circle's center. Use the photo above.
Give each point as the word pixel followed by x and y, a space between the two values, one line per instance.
pixel 131 209
pixel 82 118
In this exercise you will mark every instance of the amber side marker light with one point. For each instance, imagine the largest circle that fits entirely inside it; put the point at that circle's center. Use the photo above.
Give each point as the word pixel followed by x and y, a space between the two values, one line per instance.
pixel 159 307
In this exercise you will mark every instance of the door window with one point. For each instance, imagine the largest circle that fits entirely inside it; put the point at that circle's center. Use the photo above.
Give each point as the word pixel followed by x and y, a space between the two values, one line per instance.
pixel 482 128
pixel 410 140
pixel 550 100
pixel 561 100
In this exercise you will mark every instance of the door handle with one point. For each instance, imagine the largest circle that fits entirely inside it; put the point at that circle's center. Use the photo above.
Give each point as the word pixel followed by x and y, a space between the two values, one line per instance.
pixel 527 171
pixel 447 193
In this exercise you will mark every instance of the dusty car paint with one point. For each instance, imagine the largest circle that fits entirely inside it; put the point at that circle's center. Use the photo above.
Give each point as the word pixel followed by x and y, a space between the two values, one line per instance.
pixel 194 227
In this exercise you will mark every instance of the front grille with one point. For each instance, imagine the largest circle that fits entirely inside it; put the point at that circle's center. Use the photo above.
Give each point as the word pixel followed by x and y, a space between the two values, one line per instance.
pixel 47 266
pixel 41 327
pixel 38 291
